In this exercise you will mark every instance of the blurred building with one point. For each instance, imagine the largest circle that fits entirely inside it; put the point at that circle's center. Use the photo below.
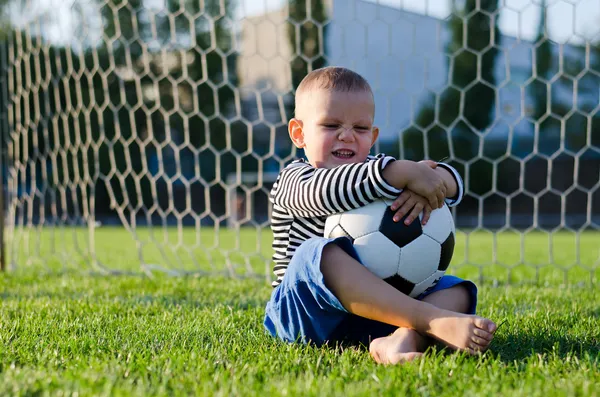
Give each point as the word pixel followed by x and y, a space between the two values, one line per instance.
pixel 403 55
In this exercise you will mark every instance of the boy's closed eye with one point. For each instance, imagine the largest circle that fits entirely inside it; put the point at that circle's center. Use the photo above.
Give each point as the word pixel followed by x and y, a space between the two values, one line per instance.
pixel 336 126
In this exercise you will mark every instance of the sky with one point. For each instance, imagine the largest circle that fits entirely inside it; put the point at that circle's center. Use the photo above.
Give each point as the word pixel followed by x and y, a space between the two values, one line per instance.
pixel 571 21
pixel 568 21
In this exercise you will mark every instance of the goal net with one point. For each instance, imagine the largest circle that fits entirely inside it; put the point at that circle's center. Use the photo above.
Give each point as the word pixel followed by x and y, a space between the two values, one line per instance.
pixel 145 135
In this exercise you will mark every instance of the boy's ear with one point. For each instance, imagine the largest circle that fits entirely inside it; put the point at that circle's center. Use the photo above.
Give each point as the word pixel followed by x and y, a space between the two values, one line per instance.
pixel 375 135
pixel 296 133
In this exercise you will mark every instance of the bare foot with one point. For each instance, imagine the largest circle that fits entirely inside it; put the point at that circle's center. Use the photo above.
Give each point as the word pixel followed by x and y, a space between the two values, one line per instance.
pixel 403 345
pixel 472 334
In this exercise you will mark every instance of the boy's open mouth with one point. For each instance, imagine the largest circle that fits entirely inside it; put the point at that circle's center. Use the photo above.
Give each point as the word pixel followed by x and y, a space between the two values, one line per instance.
pixel 343 154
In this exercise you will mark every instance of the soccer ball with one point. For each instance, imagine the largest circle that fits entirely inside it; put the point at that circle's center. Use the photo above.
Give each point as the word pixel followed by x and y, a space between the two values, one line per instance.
pixel 412 258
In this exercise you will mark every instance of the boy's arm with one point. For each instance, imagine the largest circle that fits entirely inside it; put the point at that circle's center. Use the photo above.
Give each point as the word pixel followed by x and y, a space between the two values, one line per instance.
pixel 452 179
pixel 305 191
pixel 455 189
pixel 410 204
pixel 419 177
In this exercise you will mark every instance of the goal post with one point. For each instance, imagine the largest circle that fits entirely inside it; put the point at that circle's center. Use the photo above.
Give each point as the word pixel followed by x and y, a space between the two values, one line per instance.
pixel 2 248
pixel 142 136
pixel 3 148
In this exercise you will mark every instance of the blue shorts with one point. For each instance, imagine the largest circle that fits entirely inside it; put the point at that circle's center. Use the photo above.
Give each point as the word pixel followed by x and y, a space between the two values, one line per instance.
pixel 302 309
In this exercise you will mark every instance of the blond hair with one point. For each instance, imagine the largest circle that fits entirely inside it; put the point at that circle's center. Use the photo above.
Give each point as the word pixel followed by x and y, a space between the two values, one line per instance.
pixel 333 78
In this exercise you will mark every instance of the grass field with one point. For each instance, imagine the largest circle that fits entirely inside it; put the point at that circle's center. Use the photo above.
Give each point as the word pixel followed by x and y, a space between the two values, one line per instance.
pixel 504 257
pixel 73 333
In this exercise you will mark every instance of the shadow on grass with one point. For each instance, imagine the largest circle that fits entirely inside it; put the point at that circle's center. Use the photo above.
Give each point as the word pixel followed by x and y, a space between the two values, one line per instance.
pixel 511 347
pixel 515 347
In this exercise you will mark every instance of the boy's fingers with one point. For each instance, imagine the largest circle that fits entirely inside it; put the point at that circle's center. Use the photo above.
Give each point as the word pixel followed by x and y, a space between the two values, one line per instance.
pixel 404 209
pixel 426 215
pixel 433 201
pixel 430 163
pixel 441 195
pixel 400 200
pixel 414 214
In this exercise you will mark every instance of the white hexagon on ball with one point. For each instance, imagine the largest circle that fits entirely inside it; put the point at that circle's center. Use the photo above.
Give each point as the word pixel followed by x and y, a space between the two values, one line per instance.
pixel 422 286
pixel 380 255
pixel 363 220
pixel 440 224
pixel 332 220
pixel 420 259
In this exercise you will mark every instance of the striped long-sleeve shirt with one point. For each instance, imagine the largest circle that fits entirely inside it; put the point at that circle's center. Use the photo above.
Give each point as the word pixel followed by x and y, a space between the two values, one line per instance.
pixel 304 196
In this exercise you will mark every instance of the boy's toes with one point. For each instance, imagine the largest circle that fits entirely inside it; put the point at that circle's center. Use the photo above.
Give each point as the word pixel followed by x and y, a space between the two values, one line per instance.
pixel 476 348
pixel 472 351
pixel 483 334
pixel 485 324
pixel 480 341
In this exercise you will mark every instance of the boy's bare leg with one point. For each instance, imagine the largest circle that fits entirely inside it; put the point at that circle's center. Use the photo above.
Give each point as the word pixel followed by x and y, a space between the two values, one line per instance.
pixel 366 295
pixel 406 344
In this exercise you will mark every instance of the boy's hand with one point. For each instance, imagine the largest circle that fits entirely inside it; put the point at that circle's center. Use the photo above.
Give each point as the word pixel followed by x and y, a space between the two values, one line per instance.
pixel 425 181
pixel 430 163
pixel 411 203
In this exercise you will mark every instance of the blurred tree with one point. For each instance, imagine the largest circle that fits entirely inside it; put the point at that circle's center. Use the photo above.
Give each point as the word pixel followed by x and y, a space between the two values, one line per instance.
pixel 188 68
pixel 159 85
pixel 307 31
pixel 540 88
pixel 4 26
pixel 4 20
pixel 594 75
pixel 4 31
pixel 449 123
pixel 466 105
pixel 40 120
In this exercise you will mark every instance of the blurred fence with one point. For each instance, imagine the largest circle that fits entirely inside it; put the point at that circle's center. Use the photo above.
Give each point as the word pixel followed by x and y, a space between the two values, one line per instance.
pixel 172 114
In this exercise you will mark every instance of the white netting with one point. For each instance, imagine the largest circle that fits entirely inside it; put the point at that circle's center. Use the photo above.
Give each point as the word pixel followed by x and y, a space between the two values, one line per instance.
pixel 146 134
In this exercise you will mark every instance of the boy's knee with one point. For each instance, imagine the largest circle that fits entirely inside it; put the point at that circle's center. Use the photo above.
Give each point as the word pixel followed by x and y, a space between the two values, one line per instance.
pixel 462 297
pixel 329 257
pixel 334 255
pixel 456 298
pixel 330 252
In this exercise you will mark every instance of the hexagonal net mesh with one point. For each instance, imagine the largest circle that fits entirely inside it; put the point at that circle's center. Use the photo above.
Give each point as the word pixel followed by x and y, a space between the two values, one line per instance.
pixel 146 134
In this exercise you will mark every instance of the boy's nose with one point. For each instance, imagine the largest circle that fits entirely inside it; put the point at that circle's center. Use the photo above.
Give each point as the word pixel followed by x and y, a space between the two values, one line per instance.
pixel 346 135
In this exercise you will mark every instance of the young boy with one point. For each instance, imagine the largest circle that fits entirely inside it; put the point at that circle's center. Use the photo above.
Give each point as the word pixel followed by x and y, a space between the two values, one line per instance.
pixel 323 294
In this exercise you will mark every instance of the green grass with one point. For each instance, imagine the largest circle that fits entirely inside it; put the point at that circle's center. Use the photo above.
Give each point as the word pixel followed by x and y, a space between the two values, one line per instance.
pixel 89 334
pixel 504 257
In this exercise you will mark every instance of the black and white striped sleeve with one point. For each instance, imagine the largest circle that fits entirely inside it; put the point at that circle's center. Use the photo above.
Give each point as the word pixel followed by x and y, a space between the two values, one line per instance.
pixel 460 187
pixel 306 191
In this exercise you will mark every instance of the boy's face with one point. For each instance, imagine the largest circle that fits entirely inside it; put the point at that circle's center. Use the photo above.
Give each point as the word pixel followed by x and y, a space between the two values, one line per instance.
pixel 334 128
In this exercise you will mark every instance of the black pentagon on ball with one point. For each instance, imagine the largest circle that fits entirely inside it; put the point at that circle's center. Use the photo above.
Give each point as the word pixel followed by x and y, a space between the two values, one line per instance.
pixel 399 233
pixel 401 284
pixel 447 251
pixel 339 231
